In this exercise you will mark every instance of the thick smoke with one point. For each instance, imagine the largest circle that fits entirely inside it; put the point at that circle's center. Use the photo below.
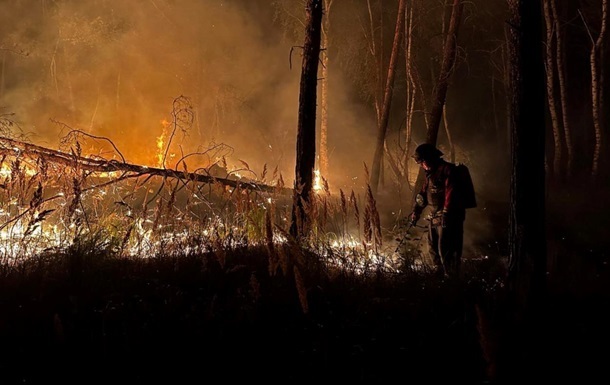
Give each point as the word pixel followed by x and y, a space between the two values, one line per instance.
pixel 113 68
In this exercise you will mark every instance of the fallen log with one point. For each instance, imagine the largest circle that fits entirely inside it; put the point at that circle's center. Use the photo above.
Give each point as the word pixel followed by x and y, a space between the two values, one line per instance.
pixel 15 148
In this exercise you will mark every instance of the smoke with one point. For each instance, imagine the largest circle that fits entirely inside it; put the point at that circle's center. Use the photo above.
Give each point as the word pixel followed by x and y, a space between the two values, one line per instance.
pixel 113 68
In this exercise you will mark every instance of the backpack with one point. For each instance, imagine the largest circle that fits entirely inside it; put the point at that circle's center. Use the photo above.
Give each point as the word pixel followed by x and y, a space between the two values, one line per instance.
pixel 465 188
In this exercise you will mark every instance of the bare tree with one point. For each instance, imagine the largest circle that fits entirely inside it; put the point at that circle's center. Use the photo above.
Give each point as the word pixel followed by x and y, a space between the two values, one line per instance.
pixel 449 54
pixel 387 99
pixel 597 87
pixel 550 87
pixel 563 94
pixel 324 94
pixel 306 135
pixel 411 88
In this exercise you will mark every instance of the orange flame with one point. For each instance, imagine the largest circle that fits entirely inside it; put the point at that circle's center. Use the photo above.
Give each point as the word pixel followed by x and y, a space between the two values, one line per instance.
pixel 161 144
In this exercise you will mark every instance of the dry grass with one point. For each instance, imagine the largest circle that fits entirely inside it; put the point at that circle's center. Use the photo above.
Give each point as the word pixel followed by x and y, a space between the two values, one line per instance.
pixel 153 279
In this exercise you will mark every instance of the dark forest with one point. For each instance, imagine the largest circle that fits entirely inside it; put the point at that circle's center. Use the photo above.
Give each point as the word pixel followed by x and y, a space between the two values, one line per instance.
pixel 211 190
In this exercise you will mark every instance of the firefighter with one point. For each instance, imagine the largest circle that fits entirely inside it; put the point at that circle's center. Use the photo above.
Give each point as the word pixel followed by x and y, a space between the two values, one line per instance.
pixel 446 219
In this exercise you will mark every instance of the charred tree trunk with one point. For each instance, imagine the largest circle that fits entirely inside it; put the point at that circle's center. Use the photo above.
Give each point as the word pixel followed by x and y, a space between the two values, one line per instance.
pixel 387 99
pixel 449 54
pixel 527 264
pixel 306 135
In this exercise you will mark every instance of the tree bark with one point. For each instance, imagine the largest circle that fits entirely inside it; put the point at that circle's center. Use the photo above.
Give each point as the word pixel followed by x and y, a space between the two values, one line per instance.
pixel 597 89
pixel 449 54
pixel 306 134
pixel 324 94
pixel 527 242
pixel 448 133
pixel 550 88
pixel 411 90
pixel 563 94
pixel 387 99
pixel 436 113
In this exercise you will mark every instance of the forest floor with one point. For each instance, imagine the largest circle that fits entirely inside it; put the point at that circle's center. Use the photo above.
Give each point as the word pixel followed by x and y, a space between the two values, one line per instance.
pixel 246 314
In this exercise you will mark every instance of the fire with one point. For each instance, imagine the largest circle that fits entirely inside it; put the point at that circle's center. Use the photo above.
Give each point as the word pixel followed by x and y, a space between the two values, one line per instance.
pixel 132 218
pixel 317 183
pixel 161 144
pixel 6 171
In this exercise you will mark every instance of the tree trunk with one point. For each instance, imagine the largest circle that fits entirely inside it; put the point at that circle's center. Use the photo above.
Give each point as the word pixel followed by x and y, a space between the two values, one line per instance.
pixel 563 94
pixel 324 95
pixel 387 99
pixel 378 59
pixel 527 264
pixel 597 89
pixel 448 133
pixel 449 54
pixel 306 135
pixel 550 88
pixel 411 91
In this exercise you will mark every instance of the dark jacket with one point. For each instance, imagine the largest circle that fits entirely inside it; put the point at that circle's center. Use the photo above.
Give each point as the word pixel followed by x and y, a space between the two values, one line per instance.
pixel 439 191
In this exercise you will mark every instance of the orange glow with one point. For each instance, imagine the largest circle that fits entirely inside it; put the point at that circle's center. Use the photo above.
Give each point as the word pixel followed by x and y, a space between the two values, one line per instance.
pixel 161 144
pixel 317 182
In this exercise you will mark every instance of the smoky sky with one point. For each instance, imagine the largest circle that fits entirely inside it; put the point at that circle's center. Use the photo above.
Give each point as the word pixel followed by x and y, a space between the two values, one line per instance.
pixel 113 68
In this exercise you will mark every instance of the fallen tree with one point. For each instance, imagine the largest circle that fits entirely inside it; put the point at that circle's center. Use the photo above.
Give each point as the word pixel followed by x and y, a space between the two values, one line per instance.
pixel 21 149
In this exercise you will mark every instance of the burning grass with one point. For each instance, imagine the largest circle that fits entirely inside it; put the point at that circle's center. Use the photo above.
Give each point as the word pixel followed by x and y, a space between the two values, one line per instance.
pixel 51 200
pixel 140 277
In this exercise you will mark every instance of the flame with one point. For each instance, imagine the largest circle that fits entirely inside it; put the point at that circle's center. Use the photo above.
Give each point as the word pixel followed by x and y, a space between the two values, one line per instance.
pixel 161 144
pixel 6 170
pixel 317 183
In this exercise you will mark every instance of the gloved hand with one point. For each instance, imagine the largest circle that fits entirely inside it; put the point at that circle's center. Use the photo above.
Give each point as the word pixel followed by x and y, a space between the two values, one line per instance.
pixel 413 218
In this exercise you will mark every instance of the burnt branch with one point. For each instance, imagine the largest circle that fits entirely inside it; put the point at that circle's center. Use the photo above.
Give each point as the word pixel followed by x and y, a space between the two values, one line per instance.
pixel 15 148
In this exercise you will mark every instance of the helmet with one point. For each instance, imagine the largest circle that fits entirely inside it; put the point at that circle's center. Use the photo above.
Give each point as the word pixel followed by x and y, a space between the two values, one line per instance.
pixel 427 152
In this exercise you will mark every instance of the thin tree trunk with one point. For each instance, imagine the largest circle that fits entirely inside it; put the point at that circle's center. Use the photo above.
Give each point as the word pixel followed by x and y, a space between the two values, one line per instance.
pixel 508 94
pixel 596 88
pixel 324 94
pixel 495 112
pixel 601 43
pixel 448 133
pixel 411 90
pixel 563 94
pixel 449 53
pixel 387 99
pixel 550 88
pixel 306 131
pixel 378 61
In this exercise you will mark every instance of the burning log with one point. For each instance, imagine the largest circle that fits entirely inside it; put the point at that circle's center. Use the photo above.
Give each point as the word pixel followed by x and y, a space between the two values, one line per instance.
pixel 15 148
